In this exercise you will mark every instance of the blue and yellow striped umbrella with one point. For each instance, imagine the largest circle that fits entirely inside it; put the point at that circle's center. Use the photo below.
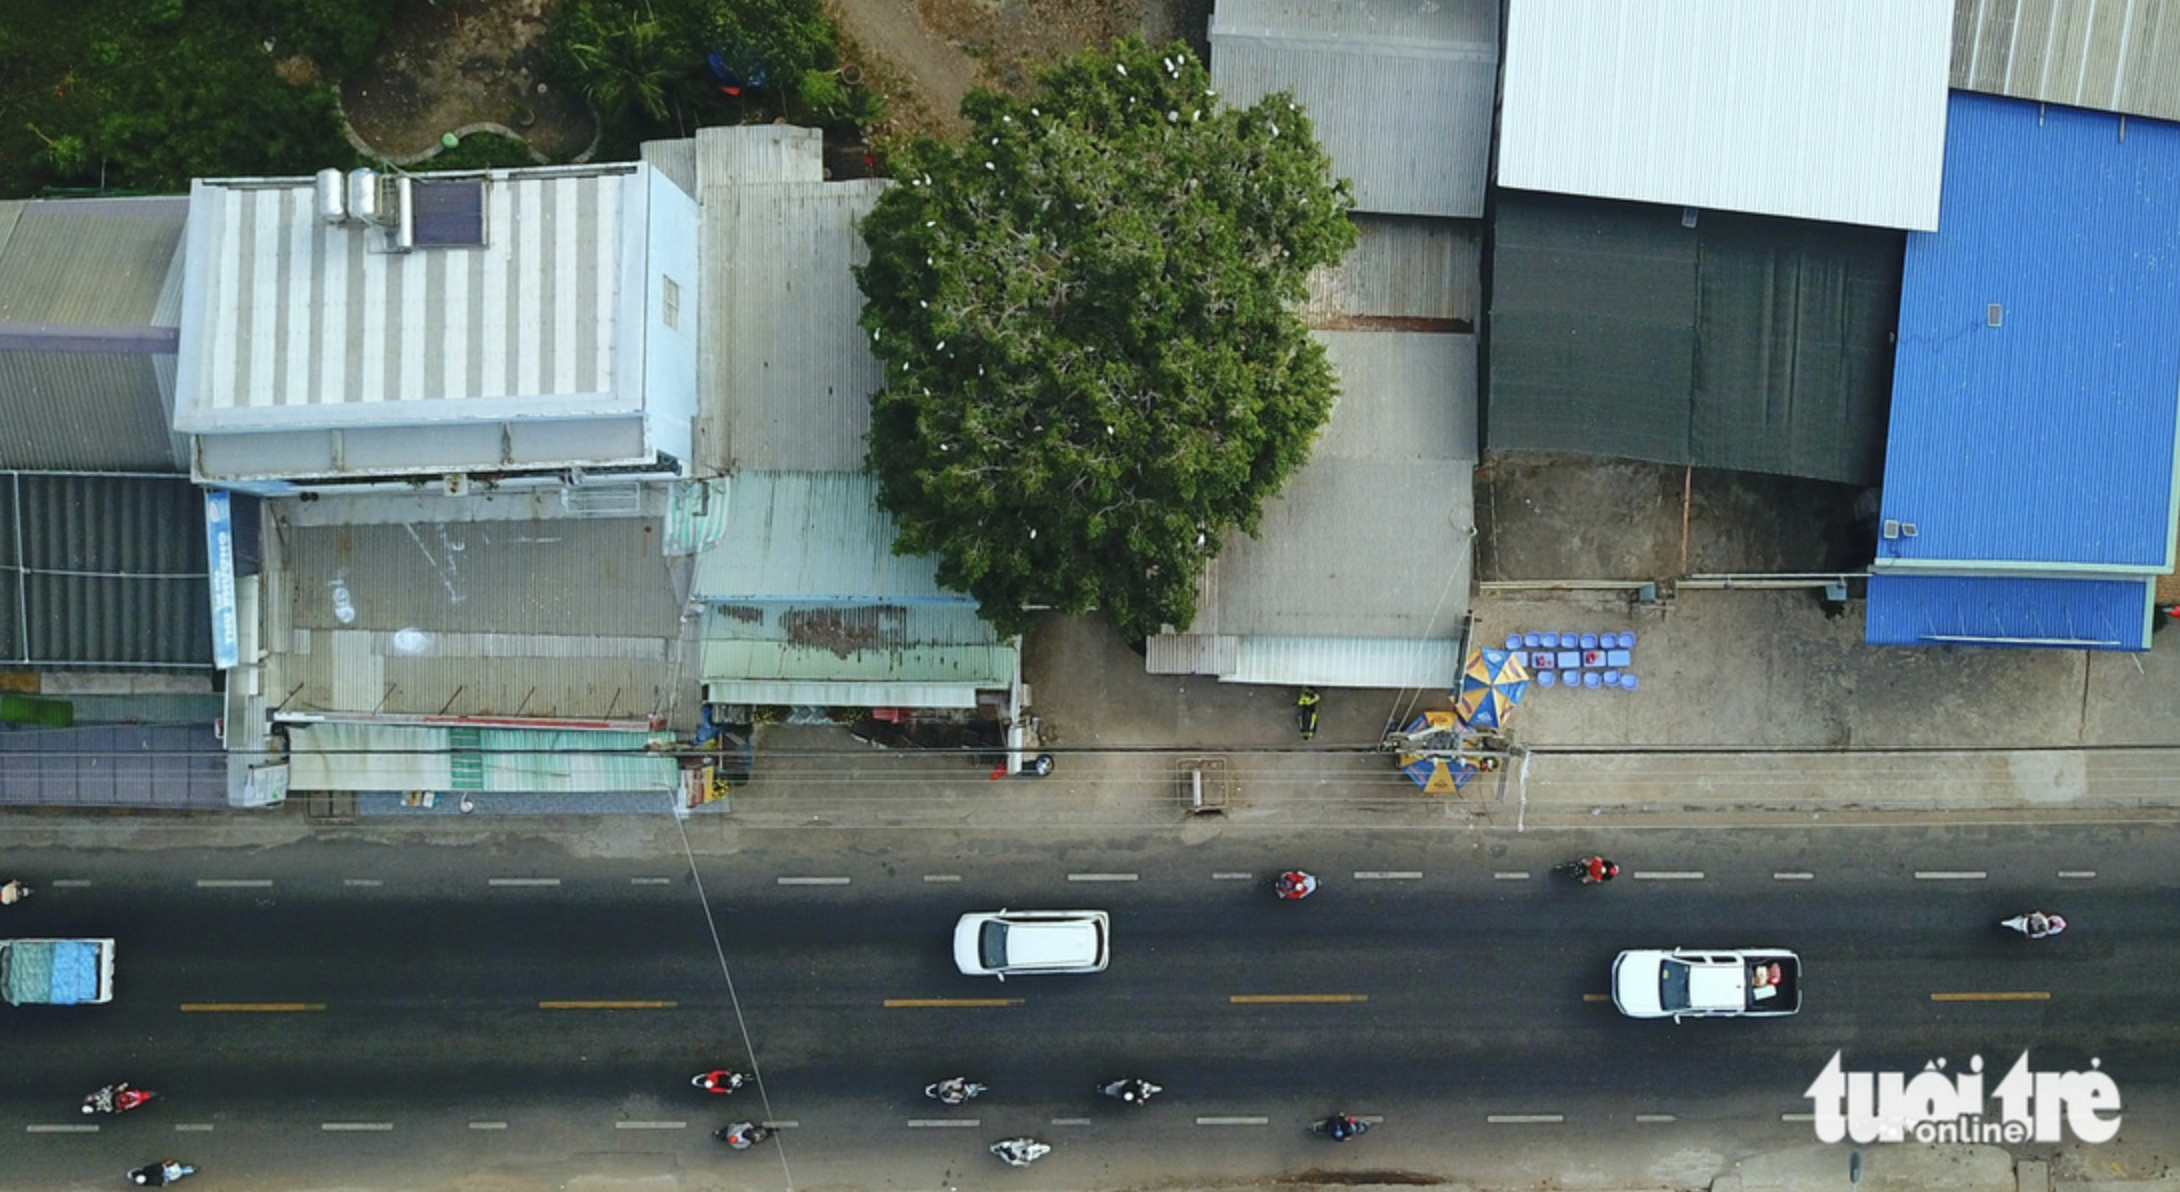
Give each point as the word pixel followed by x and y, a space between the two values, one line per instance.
pixel 1491 684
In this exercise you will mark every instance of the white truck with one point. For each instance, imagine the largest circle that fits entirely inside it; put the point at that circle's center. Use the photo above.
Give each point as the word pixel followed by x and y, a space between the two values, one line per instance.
pixel 1707 983
pixel 56 972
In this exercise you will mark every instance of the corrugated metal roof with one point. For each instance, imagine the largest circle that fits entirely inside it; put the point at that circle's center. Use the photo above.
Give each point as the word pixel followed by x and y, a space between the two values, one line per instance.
pixel 1399 91
pixel 87 412
pixel 1817 109
pixel 388 757
pixel 752 154
pixel 308 351
pixel 964 666
pixel 1747 343
pixel 575 618
pixel 1936 610
pixel 847 627
pixel 2115 55
pixel 577 577
pixel 301 324
pixel 104 571
pixel 812 536
pixel 1348 662
pixel 1402 268
pixel 89 262
pixel 676 160
pixel 1371 537
pixel 790 693
pixel 2048 439
pixel 786 371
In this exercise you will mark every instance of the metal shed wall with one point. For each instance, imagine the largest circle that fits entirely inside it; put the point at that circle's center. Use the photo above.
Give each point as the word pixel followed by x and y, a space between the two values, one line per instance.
pixel 1816 109
pixel 1746 343
pixel 2115 55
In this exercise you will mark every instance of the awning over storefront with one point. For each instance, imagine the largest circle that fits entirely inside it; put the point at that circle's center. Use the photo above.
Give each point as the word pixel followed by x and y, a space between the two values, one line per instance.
pixel 346 756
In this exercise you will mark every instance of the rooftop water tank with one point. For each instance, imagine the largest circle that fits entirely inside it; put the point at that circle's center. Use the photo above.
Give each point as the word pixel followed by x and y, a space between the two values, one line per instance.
pixel 363 194
pixel 331 207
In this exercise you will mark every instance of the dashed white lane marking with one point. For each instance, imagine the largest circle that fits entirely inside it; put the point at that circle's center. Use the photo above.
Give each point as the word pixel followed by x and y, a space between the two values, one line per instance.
pixel 1375 1119
pixel 1525 1119
pixel 1070 1121
pixel 1511 875
pixel 193 1128
pixel 1655 1117
pixel 356 1127
pixel 361 881
pixel 650 1125
pixel 1103 877
pixel 2078 873
pixel 781 1124
pixel 942 877
pixel 1950 875
pixel 650 881
pixel 1667 875
pixel 1388 875
pixel 1797 1117
pixel 944 1123
pixel 1793 877
pixel 1233 1121
pixel 1232 877
pixel 233 883
pixel 815 881
pixel 523 881
pixel 69 1129
pixel 488 1125
pixel 69 883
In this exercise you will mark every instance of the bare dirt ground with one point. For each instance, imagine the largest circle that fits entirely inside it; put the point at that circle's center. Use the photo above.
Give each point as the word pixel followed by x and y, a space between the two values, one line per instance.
pixel 451 64
pixel 924 55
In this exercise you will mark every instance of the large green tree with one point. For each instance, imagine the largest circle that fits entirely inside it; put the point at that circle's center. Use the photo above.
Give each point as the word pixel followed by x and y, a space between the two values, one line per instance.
pixel 1093 367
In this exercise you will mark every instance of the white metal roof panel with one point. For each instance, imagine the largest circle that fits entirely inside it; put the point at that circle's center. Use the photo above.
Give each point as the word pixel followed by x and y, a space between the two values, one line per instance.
pixel 1347 662
pixel 786 373
pixel 812 536
pixel 1815 109
pixel 1400 91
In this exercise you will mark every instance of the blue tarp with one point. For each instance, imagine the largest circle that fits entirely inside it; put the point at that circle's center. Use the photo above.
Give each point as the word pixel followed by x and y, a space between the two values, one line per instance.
pixel 75 972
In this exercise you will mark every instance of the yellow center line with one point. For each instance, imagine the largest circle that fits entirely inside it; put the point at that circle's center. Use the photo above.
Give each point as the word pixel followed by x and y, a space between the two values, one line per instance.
pixel 249 1007
pixel 607 1005
pixel 2024 996
pixel 1303 999
pixel 1596 997
pixel 925 1003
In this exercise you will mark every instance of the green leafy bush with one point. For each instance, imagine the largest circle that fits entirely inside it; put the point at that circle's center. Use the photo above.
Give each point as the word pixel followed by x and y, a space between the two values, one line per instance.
pixel 1086 312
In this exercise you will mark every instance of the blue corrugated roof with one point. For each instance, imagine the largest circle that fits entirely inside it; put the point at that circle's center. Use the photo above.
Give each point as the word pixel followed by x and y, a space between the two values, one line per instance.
pixel 1936 610
pixel 2047 439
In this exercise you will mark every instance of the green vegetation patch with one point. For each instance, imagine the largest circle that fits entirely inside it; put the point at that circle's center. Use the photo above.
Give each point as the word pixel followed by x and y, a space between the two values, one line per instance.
pixel 143 95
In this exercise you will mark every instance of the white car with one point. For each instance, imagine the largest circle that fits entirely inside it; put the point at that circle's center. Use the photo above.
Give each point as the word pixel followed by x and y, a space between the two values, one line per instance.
pixel 997 943
pixel 1723 983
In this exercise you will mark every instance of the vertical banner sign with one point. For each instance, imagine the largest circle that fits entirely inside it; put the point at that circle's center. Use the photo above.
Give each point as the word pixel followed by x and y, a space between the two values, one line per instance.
pixel 219 542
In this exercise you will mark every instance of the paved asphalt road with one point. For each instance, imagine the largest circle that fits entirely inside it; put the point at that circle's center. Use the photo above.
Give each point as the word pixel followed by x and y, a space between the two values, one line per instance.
pixel 368 986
